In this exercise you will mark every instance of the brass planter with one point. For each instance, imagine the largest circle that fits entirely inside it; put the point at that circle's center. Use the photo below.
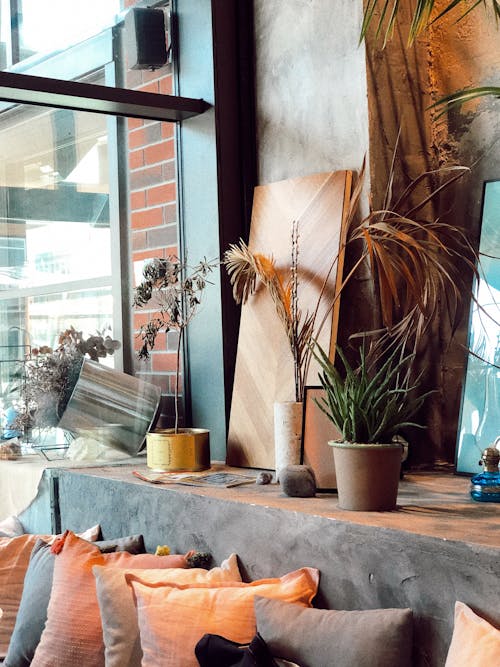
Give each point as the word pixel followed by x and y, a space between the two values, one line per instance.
pixel 186 450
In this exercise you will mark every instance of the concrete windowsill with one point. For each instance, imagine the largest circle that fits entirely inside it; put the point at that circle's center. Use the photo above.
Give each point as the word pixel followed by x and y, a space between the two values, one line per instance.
pixel 431 504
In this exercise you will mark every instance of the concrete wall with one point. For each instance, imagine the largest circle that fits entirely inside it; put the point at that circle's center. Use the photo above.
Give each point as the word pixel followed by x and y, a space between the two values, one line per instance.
pixel 362 566
pixel 312 112
pixel 323 102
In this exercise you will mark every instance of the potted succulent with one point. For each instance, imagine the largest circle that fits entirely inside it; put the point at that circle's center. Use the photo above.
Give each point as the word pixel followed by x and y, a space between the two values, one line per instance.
pixel 421 268
pixel 175 290
pixel 369 405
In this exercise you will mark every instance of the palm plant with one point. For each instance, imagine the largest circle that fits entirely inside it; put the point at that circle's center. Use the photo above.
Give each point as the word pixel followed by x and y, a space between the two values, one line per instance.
pixel 388 10
pixel 384 13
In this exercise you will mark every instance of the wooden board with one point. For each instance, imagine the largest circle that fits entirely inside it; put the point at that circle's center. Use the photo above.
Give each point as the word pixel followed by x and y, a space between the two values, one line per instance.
pixel 264 364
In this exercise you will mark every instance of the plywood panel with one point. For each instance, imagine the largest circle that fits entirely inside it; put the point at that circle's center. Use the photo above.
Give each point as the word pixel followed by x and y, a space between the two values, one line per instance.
pixel 264 364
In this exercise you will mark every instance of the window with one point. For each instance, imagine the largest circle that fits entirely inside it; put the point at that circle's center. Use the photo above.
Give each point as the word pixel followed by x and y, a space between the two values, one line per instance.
pixel 84 197
pixel 217 155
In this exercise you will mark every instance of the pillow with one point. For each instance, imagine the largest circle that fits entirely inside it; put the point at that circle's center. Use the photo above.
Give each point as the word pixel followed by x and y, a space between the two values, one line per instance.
pixel 172 618
pixel 474 643
pixel 73 632
pixel 32 613
pixel 14 558
pixel 318 637
pixel 11 527
pixel 118 613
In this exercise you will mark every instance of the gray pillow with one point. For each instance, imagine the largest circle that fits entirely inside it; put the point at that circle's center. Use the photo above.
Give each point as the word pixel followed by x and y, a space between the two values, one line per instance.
pixel 32 613
pixel 321 638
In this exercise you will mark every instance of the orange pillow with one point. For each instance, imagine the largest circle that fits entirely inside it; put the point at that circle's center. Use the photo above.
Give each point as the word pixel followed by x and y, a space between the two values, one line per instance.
pixel 118 612
pixel 172 619
pixel 15 554
pixel 475 643
pixel 73 631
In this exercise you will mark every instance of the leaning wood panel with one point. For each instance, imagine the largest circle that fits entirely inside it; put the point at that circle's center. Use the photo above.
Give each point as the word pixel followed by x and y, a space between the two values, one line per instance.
pixel 264 364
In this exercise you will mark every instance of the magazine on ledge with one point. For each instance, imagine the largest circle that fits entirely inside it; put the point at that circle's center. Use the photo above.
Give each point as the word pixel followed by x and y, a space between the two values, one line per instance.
pixel 212 479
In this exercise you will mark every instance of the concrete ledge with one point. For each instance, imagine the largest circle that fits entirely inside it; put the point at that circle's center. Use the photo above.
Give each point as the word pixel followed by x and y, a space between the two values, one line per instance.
pixel 438 547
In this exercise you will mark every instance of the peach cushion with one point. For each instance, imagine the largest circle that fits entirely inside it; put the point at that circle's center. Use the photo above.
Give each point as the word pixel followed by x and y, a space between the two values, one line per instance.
pixel 14 559
pixel 475 642
pixel 173 618
pixel 73 631
pixel 118 613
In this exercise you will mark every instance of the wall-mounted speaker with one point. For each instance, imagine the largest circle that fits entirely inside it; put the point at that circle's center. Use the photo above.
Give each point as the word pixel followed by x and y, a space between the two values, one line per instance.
pixel 145 38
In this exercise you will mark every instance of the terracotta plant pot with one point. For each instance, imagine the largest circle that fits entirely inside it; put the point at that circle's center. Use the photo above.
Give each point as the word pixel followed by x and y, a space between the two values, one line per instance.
pixel 367 475
pixel 186 450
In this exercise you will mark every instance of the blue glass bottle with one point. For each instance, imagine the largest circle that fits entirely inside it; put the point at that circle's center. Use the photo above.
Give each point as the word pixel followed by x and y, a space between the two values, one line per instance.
pixel 485 487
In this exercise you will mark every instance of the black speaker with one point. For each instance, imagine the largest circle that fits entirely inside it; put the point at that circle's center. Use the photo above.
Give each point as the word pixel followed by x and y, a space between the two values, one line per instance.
pixel 145 38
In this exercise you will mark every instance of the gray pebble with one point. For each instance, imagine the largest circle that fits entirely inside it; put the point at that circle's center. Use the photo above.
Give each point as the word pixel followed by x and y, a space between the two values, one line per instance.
pixel 264 478
pixel 298 481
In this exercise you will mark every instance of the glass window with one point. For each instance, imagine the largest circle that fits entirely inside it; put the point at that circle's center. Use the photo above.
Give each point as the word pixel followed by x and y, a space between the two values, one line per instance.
pixel 55 239
pixel 57 38
pixel 84 198
pixel 45 26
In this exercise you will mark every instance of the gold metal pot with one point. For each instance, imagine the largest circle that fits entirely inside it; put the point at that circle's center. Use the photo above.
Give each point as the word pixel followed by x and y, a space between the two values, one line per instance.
pixel 186 450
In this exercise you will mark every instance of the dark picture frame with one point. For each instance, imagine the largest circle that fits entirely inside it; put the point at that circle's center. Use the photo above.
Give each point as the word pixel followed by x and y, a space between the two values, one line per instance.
pixel 317 430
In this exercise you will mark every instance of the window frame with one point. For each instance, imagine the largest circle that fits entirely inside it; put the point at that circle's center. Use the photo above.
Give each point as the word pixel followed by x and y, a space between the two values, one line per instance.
pixel 220 126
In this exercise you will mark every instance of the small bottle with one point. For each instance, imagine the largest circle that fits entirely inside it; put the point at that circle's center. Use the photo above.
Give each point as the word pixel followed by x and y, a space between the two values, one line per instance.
pixel 485 487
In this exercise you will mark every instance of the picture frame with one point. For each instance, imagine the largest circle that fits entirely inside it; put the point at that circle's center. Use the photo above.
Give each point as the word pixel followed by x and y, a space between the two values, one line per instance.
pixel 317 430
pixel 479 421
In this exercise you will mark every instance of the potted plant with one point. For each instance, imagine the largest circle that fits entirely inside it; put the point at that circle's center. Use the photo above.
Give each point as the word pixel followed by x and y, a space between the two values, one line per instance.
pixel 248 271
pixel 369 405
pixel 421 268
pixel 175 289
pixel 44 384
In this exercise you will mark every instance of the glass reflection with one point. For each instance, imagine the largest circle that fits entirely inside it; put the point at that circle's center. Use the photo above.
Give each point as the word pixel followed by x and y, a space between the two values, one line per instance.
pixel 480 417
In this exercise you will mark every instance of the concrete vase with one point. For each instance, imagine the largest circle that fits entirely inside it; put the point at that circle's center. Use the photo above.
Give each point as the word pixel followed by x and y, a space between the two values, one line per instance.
pixel 367 475
pixel 186 450
pixel 288 417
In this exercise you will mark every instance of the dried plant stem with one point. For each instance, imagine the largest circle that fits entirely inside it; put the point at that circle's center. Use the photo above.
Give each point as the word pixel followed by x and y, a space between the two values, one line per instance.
pixel 295 315
pixel 177 379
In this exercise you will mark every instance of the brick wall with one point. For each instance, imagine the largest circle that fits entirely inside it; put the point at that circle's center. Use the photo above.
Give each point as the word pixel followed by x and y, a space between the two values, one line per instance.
pixel 153 219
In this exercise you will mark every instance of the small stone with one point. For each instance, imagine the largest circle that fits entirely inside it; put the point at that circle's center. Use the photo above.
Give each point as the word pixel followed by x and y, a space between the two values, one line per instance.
pixel 298 481
pixel 264 478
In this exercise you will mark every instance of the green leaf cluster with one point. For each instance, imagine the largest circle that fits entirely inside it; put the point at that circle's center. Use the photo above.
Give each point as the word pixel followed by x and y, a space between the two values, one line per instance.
pixel 373 402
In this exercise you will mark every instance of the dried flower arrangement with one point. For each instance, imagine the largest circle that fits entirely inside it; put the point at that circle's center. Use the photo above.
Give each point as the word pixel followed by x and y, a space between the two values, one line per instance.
pixel 48 376
pixel 246 268
pixel 176 290
pixel 419 267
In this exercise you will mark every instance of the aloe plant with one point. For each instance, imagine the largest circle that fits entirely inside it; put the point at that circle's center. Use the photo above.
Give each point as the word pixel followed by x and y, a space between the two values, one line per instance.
pixel 373 402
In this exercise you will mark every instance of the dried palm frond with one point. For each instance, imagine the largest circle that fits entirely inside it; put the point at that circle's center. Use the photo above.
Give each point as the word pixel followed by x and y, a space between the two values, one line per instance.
pixel 420 266
pixel 245 270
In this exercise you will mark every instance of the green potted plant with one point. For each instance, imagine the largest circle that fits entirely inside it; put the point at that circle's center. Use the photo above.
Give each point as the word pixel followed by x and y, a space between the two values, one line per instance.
pixel 421 268
pixel 369 405
pixel 175 290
